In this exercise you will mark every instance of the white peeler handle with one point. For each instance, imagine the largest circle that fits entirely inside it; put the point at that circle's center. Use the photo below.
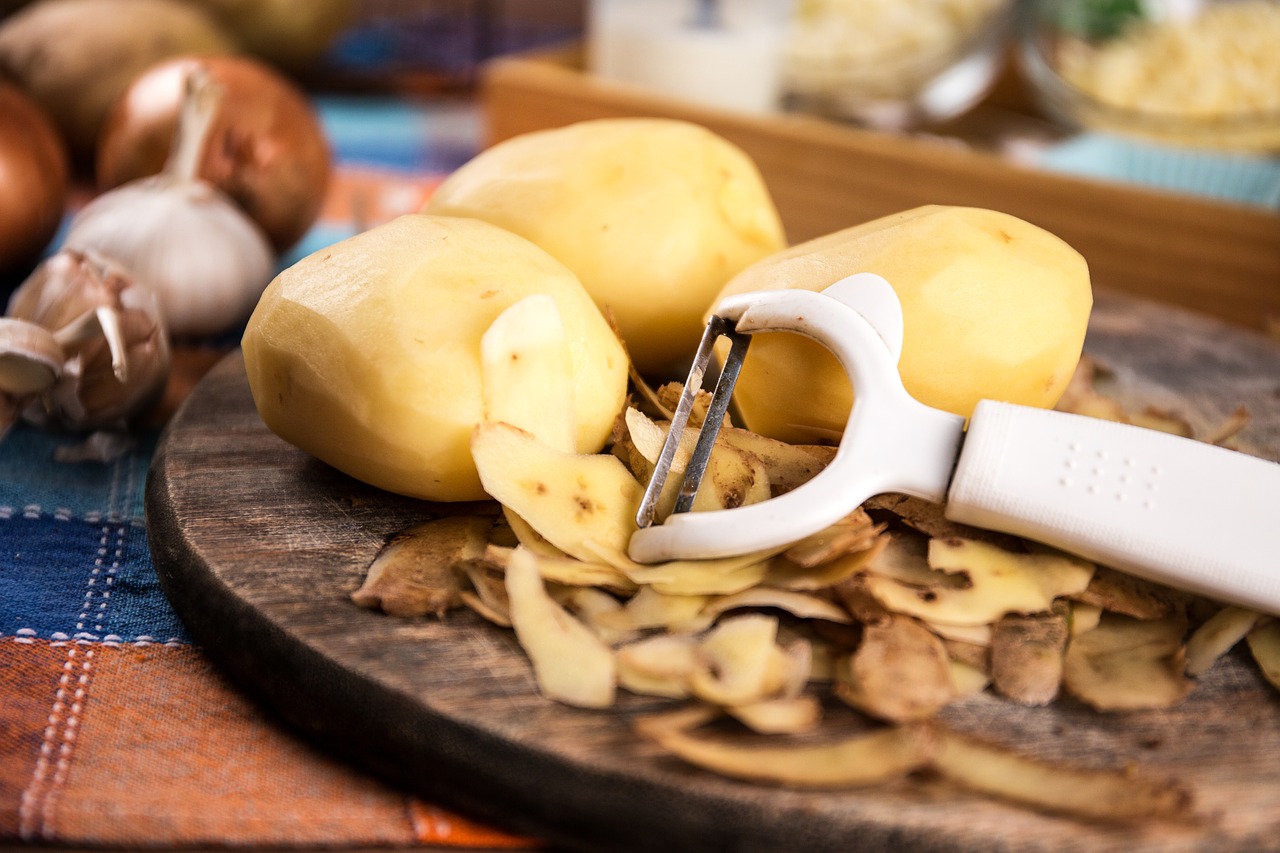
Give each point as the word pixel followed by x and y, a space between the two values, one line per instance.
pixel 1170 509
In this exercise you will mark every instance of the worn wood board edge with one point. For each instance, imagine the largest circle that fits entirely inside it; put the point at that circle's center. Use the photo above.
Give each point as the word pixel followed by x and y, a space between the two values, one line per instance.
pixel 263 588
pixel 437 756
pixel 1215 258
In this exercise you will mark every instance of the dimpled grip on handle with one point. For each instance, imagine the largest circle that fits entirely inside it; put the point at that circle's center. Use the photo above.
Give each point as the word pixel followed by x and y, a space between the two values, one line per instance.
pixel 1174 510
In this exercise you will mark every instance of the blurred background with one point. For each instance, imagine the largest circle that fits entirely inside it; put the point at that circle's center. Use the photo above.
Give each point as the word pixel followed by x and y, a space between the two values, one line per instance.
pixel 1175 95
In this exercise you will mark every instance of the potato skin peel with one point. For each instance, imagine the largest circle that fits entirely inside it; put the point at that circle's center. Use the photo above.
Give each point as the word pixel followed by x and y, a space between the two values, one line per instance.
pixel 1105 795
pixel 893 752
pixel 572 664
pixel 853 762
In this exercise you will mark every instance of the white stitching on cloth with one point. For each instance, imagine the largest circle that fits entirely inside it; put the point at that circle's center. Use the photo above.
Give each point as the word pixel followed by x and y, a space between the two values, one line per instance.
pixel 59 640
pixel 38 804
pixel 35 799
pixel 62 513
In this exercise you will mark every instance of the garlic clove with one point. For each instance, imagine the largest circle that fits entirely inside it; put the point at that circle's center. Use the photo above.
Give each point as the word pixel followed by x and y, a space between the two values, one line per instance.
pixel 71 284
pixel 107 401
pixel 110 329
pixel 104 321
pixel 109 320
pixel 30 358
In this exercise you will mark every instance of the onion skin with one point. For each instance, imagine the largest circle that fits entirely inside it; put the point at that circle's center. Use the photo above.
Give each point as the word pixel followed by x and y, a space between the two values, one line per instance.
pixel 266 149
pixel 34 174
pixel 75 57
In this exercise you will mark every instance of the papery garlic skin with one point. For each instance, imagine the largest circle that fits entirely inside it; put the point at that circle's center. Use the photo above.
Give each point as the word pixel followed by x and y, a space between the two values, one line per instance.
pixel 30 357
pixel 31 361
pixel 206 260
pixel 113 338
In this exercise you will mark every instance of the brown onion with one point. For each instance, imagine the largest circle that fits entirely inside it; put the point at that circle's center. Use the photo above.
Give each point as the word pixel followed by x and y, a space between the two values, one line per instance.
pixel 33 179
pixel 266 149
pixel 75 57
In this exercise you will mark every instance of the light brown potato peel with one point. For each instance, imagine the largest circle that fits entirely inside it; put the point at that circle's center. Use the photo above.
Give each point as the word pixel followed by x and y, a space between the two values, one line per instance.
pixel 961 615
pixel 418 571
pixel 571 663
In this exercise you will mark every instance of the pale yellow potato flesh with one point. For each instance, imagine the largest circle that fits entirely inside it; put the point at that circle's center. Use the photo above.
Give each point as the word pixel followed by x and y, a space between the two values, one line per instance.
pixel 1217 636
pixel 566 570
pixel 856 761
pixel 796 603
pixel 732 478
pixel 788 715
pixel 366 354
pixel 658 665
pixel 571 663
pixel 526 373
pixel 993 307
pixel 649 608
pixel 721 576
pixel 1125 664
pixel 1111 795
pixel 1000 582
pixel 967 680
pixel 571 500
pixel 734 661
pixel 653 215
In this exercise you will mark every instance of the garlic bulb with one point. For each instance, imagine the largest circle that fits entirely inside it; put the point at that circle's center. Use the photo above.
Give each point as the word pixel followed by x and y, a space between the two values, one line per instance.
pixel 206 259
pixel 112 339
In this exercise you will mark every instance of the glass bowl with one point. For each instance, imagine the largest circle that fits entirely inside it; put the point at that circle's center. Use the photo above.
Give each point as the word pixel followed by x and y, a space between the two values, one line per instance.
pixel 894 64
pixel 1194 73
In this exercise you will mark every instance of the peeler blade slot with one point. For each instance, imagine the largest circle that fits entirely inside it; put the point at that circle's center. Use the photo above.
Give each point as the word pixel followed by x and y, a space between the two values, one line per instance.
pixel 720 398
pixel 716 327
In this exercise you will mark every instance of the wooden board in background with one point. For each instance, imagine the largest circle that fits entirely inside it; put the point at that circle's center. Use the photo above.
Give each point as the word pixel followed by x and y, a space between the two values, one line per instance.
pixel 259 547
pixel 1216 258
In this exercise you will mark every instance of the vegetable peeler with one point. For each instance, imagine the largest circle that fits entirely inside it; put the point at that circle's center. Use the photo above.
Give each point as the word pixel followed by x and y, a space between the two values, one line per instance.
pixel 1125 496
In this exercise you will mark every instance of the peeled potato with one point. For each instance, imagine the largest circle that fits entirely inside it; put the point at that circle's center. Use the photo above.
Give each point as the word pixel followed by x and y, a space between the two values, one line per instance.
pixel 653 215
pixel 367 354
pixel 993 307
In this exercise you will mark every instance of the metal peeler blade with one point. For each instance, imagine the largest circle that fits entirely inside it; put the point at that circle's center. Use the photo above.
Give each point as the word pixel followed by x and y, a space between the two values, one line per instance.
pixel 902 445
pixel 868 294
pixel 717 327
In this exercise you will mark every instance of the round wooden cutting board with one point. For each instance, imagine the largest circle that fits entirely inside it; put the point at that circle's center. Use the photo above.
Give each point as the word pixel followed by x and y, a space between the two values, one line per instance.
pixel 259 547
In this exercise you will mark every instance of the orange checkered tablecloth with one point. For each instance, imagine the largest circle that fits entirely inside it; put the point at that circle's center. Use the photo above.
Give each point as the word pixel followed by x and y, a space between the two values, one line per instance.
pixel 115 730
